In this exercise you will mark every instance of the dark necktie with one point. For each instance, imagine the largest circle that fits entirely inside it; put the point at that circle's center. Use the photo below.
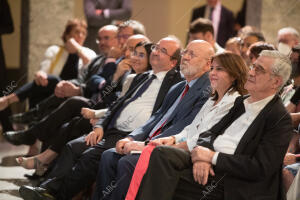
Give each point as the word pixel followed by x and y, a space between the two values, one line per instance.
pixel 158 131
pixel 211 9
pixel 207 138
pixel 139 93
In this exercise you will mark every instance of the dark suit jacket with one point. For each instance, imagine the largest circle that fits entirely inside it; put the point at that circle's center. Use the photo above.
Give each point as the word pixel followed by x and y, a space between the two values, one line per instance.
pixel 226 24
pixel 254 171
pixel 184 113
pixel 91 70
pixel 171 78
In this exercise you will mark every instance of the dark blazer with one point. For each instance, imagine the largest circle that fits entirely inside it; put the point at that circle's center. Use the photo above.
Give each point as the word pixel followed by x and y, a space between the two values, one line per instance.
pixel 226 24
pixel 171 78
pixel 184 113
pixel 254 171
pixel 91 70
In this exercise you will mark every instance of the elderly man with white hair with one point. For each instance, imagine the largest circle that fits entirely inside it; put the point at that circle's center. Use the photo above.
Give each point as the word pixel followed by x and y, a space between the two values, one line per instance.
pixel 287 38
pixel 241 156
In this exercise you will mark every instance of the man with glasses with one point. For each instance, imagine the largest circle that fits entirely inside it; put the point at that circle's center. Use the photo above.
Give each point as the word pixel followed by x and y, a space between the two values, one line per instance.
pixel 178 110
pixel 245 150
pixel 77 165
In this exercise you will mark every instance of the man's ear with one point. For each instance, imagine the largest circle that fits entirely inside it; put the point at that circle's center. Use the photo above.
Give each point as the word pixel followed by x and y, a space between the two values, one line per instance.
pixel 208 36
pixel 277 82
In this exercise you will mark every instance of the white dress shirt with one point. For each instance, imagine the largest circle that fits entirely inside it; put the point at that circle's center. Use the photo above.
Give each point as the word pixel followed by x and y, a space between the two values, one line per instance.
pixel 229 140
pixel 208 116
pixel 136 113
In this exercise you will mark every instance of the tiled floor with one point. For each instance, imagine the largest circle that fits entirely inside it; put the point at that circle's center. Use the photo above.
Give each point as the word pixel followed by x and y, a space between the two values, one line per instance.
pixel 11 175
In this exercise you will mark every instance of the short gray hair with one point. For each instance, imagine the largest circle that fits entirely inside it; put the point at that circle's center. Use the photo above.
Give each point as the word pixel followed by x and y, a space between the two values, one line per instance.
pixel 289 30
pixel 281 66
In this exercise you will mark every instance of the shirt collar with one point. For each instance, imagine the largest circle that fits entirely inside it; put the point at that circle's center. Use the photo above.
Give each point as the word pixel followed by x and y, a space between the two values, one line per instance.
pixel 160 75
pixel 258 105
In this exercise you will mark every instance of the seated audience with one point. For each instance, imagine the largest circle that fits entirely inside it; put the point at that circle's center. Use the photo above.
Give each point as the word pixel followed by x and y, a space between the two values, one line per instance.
pixel 227 75
pixel 241 156
pixel 60 63
pixel 76 167
pixel 138 62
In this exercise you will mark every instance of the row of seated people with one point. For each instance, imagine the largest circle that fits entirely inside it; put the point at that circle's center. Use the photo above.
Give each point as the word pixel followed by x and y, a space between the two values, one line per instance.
pixel 148 114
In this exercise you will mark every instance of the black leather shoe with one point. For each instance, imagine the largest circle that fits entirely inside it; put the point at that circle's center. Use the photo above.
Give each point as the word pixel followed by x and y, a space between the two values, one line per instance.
pixel 35 193
pixel 19 137
pixel 26 117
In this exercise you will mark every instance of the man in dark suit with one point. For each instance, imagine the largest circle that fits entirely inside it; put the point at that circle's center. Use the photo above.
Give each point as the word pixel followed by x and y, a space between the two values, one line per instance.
pixel 221 17
pixel 241 156
pixel 117 164
pixel 102 12
pixel 77 165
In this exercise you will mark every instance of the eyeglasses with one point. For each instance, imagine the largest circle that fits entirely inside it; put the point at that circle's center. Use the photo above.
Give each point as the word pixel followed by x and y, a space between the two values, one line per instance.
pixel 125 36
pixel 155 47
pixel 139 55
pixel 258 69
pixel 105 38
pixel 189 53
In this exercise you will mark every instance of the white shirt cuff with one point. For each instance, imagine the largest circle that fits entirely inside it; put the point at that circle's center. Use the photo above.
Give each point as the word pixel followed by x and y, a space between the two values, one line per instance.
pixel 214 159
pixel 106 13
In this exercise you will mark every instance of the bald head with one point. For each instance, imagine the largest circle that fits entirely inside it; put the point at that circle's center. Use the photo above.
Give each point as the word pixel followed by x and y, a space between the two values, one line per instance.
pixel 132 42
pixel 196 59
pixel 107 38
pixel 166 54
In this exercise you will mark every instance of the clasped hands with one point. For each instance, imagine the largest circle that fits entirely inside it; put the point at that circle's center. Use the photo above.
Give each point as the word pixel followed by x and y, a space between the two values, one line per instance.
pixel 66 89
pixel 126 145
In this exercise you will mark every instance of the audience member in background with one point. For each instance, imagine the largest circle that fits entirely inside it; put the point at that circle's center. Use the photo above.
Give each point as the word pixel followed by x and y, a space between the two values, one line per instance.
pixel 287 38
pixel 234 45
pixel 222 19
pixel 202 29
pixel 102 12
pixel 255 49
pixel 248 39
pixel 293 105
pixel 61 63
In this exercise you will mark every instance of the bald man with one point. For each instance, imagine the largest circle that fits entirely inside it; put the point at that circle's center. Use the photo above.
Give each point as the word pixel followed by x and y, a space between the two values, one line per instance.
pixel 178 110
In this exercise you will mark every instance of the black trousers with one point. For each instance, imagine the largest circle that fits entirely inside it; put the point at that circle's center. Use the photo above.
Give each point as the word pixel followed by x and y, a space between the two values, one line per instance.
pixel 62 124
pixel 170 176
pixel 37 93
pixel 77 165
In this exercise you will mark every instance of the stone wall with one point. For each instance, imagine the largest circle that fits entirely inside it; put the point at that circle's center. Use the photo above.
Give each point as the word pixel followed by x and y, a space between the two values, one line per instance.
pixel 47 20
pixel 277 14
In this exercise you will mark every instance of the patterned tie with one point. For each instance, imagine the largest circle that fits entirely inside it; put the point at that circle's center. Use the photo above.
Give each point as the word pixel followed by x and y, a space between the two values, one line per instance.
pixel 139 93
pixel 211 10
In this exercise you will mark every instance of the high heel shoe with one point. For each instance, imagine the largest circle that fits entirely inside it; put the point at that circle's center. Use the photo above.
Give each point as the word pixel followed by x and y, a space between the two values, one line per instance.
pixel 40 167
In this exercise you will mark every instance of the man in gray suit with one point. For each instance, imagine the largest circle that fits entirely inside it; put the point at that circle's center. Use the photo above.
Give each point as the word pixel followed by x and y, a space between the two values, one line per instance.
pixel 177 111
